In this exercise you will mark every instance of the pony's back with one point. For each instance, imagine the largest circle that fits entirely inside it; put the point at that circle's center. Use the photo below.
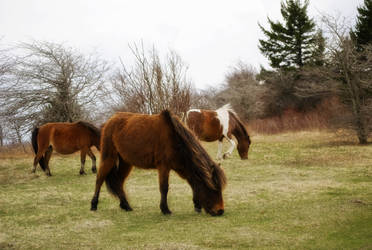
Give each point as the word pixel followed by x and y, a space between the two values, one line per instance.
pixel 142 140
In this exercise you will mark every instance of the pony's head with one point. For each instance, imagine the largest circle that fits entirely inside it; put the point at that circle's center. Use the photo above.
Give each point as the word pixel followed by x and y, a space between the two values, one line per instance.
pixel 206 178
pixel 95 133
pixel 241 134
pixel 243 147
pixel 208 193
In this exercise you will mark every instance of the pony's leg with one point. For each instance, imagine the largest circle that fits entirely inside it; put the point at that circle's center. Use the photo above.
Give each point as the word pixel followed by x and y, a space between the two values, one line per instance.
pixel 36 161
pixel 163 173
pixel 48 154
pixel 229 152
pixel 104 169
pixel 125 170
pixel 196 201
pixel 219 151
pixel 83 153
pixel 38 156
pixel 93 158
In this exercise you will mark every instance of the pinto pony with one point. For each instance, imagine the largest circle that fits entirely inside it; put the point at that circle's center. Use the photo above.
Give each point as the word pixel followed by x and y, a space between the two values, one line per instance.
pixel 64 138
pixel 163 143
pixel 210 125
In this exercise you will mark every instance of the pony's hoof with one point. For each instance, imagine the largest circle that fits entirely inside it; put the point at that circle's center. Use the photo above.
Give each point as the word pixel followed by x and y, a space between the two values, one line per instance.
pixel 166 212
pixel 82 173
pixel 93 204
pixel 48 174
pixel 126 207
pixel 94 170
pixel 225 156
pixel 164 209
pixel 198 210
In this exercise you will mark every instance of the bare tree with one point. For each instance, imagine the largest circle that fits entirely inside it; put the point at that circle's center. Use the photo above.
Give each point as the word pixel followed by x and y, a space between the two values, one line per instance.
pixel 242 91
pixel 204 98
pixel 347 75
pixel 151 86
pixel 354 72
pixel 7 66
pixel 51 82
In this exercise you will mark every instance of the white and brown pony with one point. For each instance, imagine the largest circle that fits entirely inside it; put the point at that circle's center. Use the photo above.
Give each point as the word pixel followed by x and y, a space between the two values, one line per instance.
pixel 213 125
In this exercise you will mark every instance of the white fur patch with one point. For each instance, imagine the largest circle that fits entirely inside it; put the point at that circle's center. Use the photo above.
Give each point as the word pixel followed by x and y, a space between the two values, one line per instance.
pixel 223 116
pixel 192 110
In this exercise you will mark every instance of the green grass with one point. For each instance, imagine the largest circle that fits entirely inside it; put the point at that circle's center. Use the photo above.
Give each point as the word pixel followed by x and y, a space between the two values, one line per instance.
pixel 308 190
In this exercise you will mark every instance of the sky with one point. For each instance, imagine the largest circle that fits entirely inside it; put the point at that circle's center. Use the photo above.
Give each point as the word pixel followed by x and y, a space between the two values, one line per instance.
pixel 211 36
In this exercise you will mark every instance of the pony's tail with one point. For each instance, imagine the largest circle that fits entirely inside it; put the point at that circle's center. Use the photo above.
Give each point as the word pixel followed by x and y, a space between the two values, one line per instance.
pixel 115 178
pixel 35 133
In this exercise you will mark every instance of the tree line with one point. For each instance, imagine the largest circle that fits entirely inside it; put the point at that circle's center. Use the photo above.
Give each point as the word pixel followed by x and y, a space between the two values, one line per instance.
pixel 310 62
pixel 44 82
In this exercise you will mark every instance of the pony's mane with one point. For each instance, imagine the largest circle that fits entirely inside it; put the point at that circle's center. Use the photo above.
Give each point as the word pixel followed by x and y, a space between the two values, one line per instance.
pixel 91 127
pixel 227 107
pixel 240 123
pixel 194 156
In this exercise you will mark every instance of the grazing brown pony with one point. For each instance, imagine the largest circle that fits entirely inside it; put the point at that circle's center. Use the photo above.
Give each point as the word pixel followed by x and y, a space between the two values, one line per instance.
pixel 64 138
pixel 163 143
pixel 210 125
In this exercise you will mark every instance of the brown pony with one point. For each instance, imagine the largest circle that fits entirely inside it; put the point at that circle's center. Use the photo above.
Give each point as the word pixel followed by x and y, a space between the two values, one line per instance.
pixel 159 142
pixel 64 138
pixel 210 125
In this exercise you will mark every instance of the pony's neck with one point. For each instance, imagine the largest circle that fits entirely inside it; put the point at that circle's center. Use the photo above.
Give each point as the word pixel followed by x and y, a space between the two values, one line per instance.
pixel 238 130
pixel 239 134
pixel 192 176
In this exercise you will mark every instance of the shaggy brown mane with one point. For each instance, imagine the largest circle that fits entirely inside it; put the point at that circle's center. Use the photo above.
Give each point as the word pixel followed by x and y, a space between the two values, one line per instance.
pixel 239 122
pixel 192 154
pixel 91 127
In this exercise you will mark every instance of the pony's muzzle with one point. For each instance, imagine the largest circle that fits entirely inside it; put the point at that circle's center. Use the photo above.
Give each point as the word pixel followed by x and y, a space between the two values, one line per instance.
pixel 218 213
pixel 217 210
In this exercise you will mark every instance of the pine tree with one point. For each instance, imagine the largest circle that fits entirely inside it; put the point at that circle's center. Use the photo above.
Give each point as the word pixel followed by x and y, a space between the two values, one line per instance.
pixel 362 34
pixel 318 48
pixel 294 43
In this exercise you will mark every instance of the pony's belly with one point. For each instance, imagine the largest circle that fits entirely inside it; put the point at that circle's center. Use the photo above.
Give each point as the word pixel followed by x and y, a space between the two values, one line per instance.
pixel 209 138
pixel 139 159
pixel 145 166
pixel 65 150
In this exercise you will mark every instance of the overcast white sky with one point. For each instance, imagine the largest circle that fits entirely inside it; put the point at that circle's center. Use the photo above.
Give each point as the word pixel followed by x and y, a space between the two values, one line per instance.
pixel 211 36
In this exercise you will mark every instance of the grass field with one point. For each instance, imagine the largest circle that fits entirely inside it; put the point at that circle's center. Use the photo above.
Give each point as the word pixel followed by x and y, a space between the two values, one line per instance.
pixel 306 190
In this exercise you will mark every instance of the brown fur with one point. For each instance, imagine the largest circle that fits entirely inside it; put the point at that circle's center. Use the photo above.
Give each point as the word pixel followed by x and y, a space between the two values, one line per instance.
pixel 64 138
pixel 207 127
pixel 157 142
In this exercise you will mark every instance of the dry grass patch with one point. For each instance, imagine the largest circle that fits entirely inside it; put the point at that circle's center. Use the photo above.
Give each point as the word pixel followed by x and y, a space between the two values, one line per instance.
pixel 306 190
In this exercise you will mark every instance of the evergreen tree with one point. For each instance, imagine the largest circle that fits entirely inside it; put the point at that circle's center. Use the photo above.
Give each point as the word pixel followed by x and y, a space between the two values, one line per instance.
pixel 318 48
pixel 362 34
pixel 294 43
